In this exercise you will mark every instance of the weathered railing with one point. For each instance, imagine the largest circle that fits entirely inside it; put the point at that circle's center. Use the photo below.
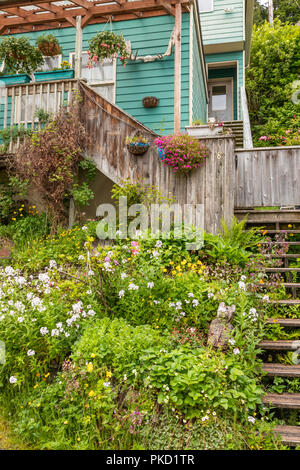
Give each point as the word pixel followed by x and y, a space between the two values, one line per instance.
pixel 19 103
pixel 248 142
pixel 267 177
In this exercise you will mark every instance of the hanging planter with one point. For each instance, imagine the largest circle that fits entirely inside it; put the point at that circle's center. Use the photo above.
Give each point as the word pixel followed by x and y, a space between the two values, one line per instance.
pixel 150 102
pixel 48 45
pixel 181 152
pixel 19 56
pixel 107 45
pixel 137 145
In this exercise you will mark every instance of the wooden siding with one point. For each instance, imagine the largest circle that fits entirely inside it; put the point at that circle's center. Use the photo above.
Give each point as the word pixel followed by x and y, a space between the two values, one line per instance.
pixel 268 177
pixel 138 79
pixel 219 27
pixel 199 102
pixel 211 185
pixel 231 57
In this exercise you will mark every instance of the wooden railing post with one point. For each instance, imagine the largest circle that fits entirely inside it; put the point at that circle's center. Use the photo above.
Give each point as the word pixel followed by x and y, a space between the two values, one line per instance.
pixel 177 70
pixel 78 47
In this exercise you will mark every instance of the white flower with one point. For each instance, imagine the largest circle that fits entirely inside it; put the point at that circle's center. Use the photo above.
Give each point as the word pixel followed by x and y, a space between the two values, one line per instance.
pixel 67 335
pixel 190 294
pixel 13 379
pixel 80 257
pixel 266 298
pixel 134 371
pixel 251 419
pixel 52 264
pixel 30 352
pixel 89 292
pixel 155 254
pixel 132 286
pixel 158 244
pixel 195 302
pixel 20 319
pixel 106 384
pixel 210 295
pixel 242 285
pixel 44 330
pixel 236 351
pixel 91 273
pixel 91 313
pixel 121 293
pixel 84 227
pixel 182 314
pixel 43 277
pixel 123 276
pixel 171 305
pixel 243 278
pixel 55 332
pixel 231 341
pixel 150 285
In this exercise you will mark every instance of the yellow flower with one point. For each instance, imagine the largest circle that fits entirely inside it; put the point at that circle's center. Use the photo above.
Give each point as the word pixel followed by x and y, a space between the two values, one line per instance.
pixel 290 226
pixel 93 355
pixel 108 374
pixel 66 422
pixel 91 393
pixel 36 385
pixel 90 367
pixel 47 375
pixel 78 439
pixel 38 404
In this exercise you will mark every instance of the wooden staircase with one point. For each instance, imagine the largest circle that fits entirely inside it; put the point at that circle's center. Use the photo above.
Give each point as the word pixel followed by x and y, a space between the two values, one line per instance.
pixel 237 128
pixel 278 224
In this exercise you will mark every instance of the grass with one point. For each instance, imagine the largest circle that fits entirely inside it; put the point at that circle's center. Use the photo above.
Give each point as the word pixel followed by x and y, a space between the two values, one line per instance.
pixel 8 441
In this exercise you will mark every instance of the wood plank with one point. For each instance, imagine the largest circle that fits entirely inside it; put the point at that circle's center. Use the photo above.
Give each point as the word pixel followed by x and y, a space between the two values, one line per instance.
pixel 290 435
pixel 285 400
pixel 286 322
pixel 280 345
pixel 282 270
pixel 280 370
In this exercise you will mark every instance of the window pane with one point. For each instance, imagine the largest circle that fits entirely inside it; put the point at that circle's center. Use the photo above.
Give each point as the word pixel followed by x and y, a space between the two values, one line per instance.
pixel 205 5
pixel 219 98
pixel 50 63
pixel 101 72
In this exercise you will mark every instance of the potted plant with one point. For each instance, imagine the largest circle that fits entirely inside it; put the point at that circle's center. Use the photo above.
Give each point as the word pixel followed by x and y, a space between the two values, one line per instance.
pixel 48 45
pixel 181 152
pixel 107 44
pixel 198 129
pixel 137 145
pixel 20 58
pixel 60 73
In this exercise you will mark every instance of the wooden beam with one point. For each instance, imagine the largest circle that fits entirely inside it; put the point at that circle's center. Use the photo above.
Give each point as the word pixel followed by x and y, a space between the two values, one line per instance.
pixel 169 9
pixel 78 47
pixel 82 3
pixel 177 70
pixel 86 19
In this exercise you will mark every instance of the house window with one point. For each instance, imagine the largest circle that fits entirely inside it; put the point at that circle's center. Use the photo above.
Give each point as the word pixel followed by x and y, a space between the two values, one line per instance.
pixel 205 5
pixel 101 77
pixel 219 98
pixel 51 63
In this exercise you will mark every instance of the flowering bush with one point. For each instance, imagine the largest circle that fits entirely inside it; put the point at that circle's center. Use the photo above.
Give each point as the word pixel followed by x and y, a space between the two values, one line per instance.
pixel 290 136
pixel 182 152
pixel 107 44
pixel 19 55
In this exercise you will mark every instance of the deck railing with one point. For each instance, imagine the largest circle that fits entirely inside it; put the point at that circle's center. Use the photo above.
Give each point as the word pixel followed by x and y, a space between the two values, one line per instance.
pixel 19 104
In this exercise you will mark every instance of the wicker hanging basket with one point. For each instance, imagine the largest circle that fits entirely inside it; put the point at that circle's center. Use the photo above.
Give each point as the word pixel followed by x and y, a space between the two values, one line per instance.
pixel 150 102
pixel 137 148
pixel 49 48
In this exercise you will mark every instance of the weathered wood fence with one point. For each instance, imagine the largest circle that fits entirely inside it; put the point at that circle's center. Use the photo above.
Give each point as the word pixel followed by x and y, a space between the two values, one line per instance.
pixel 211 185
pixel 267 177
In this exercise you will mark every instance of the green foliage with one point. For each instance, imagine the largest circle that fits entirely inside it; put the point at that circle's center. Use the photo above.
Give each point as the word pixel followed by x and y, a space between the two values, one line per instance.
pixel 14 190
pixel 12 134
pixel 42 116
pixel 287 11
pixel 273 70
pixel 107 44
pixel 82 194
pixel 19 55
pixel 138 193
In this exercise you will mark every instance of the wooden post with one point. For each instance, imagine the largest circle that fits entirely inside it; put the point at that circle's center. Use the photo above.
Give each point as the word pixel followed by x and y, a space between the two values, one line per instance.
pixel 271 12
pixel 78 47
pixel 177 70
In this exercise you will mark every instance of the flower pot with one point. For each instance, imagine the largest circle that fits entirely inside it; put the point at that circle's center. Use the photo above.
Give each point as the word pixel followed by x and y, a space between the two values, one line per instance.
pixel 49 49
pixel 54 75
pixel 150 102
pixel 137 148
pixel 203 130
pixel 15 79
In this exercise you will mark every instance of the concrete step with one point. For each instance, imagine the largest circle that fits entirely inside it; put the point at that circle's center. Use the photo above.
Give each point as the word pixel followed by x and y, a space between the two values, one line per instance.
pixel 286 400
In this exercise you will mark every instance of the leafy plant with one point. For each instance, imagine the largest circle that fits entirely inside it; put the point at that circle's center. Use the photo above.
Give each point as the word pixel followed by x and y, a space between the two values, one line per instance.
pixel 10 193
pixel 19 55
pixel 107 44
pixel 48 45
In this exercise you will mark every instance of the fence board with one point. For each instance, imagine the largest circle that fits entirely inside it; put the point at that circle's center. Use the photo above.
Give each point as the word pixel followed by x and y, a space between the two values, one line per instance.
pixel 268 177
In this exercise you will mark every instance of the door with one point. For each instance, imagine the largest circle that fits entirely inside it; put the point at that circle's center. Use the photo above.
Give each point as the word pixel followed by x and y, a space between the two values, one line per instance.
pixel 220 100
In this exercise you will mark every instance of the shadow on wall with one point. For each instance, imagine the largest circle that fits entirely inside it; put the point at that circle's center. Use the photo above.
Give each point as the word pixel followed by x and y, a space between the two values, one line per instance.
pixel 101 186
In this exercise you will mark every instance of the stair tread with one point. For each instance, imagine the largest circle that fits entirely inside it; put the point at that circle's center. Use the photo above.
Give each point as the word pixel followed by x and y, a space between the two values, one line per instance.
pixel 284 255
pixel 280 370
pixel 290 322
pixel 280 284
pixel 290 435
pixel 284 400
pixel 281 243
pixel 283 270
pixel 281 345
pixel 284 302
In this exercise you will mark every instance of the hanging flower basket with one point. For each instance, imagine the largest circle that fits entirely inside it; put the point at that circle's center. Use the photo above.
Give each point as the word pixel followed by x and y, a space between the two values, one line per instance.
pixel 137 145
pixel 107 45
pixel 182 152
pixel 150 102
pixel 48 45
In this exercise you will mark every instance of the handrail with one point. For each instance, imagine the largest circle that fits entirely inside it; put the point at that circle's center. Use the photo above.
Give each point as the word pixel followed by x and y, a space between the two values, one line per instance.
pixel 248 142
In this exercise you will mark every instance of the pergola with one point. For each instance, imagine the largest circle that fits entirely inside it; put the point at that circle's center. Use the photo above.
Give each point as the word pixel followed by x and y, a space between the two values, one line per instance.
pixel 27 15
pixel 20 16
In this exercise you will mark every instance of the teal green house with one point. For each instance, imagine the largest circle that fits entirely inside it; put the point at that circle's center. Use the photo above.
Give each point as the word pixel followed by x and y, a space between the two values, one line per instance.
pixel 190 55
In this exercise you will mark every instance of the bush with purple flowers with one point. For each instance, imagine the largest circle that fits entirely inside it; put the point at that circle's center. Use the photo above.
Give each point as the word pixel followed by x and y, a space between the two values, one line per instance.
pixel 182 152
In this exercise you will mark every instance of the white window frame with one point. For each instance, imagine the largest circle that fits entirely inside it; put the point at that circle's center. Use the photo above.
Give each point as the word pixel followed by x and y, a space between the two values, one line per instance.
pixel 207 11
pixel 101 82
